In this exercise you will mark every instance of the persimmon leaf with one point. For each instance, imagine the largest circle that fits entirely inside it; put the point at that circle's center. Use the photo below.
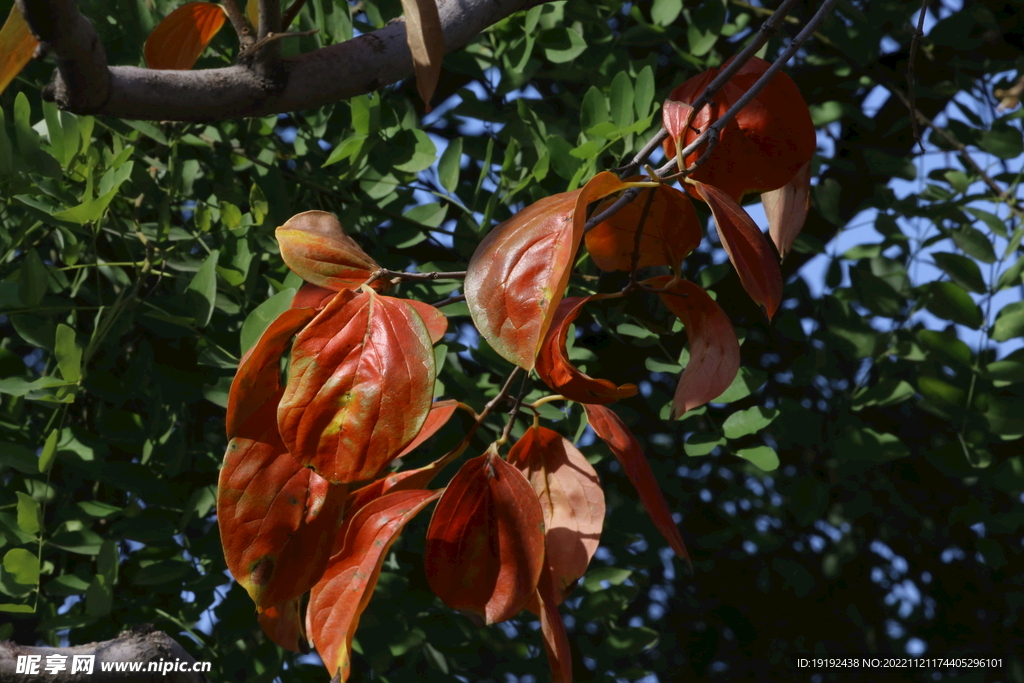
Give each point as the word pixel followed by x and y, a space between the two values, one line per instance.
pixel 440 413
pixel 181 37
pixel 614 432
pixel 17 44
pixel 519 272
pixel 556 641
pixel 316 248
pixel 283 625
pixel 671 231
pixel 259 374
pixel 714 349
pixel 747 248
pixel 571 498
pixel 485 543
pixel 787 208
pixel 435 320
pixel 277 518
pixel 554 367
pixel 312 296
pixel 337 601
pixel 426 43
pixel 359 387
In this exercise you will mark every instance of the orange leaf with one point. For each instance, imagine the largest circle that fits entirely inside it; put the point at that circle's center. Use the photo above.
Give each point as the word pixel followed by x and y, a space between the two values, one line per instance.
pixel 277 519
pixel 614 432
pixel 787 208
pixel 440 413
pixel 485 544
pixel 426 43
pixel 556 641
pixel 571 498
pixel 283 625
pixel 339 598
pixel 181 37
pixel 316 248
pixel 17 44
pixel 435 320
pixel 311 296
pixel 747 248
pixel 764 146
pixel 671 231
pixel 259 373
pixel 359 387
pixel 519 272
pixel 714 350
pixel 554 367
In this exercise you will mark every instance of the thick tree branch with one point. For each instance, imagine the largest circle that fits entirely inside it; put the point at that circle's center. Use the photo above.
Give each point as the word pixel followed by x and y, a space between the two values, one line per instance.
pixel 307 81
pixel 139 644
pixel 84 82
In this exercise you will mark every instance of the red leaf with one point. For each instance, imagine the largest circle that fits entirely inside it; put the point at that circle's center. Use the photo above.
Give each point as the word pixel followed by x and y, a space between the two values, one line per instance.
pixel 17 44
pixel 277 519
pixel 747 248
pixel 283 625
pixel 554 367
pixel 485 544
pixel 676 116
pixel 339 598
pixel 714 349
pixel 571 498
pixel 764 146
pixel 440 413
pixel 613 431
pixel 787 208
pixel 181 37
pixel 556 641
pixel 671 231
pixel 311 296
pixel 316 248
pixel 259 373
pixel 435 320
pixel 519 272
pixel 359 387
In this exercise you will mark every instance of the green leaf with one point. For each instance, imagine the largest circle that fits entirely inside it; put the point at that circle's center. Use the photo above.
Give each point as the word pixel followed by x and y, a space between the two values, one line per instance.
pixel 423 153
pixel 885 393
pixel 974 243
pixel 1003 141
pixel 1009 323
pixel 17 609
pixel 747 381
pixel 949 301
pixel 632 640
pixel 29 514
pixel 1011 277
pixel 259 207
pixel 69 356
pixel 203 290
pixel 764 457
pixel 23 566
pixel 865 443
pixel 260 318
pixel 32 287
pixel 450 164
pixel 963 271
pixel 665 12
pixel 613 575
pixel 749 421
pixel 594 109
pixel 562 45
pixel 700 444
pixel 19 386
pixel 994 222
pixel 643 92
pixel 49 451
pixel 99 598
pixel 107 561
pixel 230 216
pixel 622 97
pixel 91 210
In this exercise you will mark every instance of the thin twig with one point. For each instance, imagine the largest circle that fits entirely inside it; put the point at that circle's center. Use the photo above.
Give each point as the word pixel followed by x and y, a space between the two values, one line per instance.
pixel 240 24
pixel 918 32
pixel 514 413
pixel 768 29
pixel 291 13
pixel 449 301
pixel 272 37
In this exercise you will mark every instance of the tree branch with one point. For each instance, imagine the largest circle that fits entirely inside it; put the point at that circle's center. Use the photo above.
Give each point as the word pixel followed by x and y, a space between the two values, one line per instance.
pixel 337 72
pixel 138 644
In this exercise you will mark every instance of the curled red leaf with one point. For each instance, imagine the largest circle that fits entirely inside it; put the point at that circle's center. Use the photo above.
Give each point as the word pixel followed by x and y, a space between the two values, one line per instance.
pixel 571 498
pixel 787 208
pixel 714 349
pixel 359 387
pixel 747 248
pixel 277 519
pixel 181 37
pixel 554 367
pixel 316 248
pixel 519 272
pixel 283 625
pixel 338 600
pixel 485 543
pixel 614 432
pixel 671 231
